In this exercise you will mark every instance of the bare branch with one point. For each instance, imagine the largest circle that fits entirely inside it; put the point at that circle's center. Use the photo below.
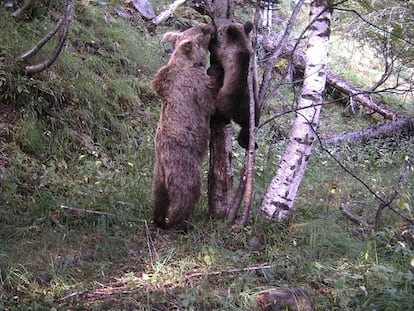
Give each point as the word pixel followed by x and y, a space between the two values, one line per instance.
pixel 237 199
pixel 83 211
pixel 64 26
pixel 31 52
pixel 230 271
pixel 355 219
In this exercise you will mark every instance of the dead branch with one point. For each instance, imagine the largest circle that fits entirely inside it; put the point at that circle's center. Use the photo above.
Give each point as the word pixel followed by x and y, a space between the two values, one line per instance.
pixel 230 271
pixel 82 211
pixel 237 199
pixel 397 127
pixel 63 25
pixel 168 12
pixel 31 52
pixel 355 219
pixel 27 4
pixel 296 299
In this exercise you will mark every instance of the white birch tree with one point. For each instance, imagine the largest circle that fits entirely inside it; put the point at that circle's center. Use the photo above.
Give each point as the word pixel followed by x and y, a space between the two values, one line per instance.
pixel 278 201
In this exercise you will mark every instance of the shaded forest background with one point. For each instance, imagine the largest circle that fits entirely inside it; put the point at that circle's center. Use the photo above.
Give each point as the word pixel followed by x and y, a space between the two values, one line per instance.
pixel 77 154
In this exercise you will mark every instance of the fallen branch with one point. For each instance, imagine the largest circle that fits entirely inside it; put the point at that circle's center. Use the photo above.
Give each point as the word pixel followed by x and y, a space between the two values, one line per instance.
pixel 86 211
pixel 230 271
pixel 168 12
pixel 400 126
pixel 355 219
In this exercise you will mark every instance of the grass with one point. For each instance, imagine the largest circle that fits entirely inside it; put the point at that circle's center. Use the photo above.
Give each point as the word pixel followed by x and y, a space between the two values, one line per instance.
pixel 83 138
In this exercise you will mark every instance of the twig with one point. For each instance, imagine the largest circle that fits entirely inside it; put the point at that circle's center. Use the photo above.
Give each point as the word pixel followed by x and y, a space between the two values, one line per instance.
pixel 230 271
pixel 85 211
pixel 394 195
pixel 71 295
pixel 151 245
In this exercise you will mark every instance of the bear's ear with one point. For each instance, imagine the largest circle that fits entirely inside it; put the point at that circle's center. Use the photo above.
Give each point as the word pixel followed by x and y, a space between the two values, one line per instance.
pixel 171 37
pixel 248 26
pixel 187 47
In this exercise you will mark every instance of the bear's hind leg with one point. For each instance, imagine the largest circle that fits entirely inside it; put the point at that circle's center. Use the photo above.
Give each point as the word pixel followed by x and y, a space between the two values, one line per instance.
pixel 184 198
pixel 160 203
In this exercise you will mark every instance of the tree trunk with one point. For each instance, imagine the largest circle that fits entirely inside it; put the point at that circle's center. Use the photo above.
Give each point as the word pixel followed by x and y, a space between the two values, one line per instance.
pixel 278 201
pixel 220 176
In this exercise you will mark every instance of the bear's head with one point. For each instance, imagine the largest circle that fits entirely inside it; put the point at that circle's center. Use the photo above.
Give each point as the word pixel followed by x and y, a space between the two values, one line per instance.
pixel 232 39
pixel 191 44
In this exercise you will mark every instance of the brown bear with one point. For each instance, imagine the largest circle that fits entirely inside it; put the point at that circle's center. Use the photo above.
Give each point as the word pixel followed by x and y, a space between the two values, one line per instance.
pixel 181 141
pixel 230 57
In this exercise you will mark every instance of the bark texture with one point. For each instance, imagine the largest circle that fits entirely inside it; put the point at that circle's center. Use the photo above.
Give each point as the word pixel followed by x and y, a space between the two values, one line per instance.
pixel 397 127
pixel 278 201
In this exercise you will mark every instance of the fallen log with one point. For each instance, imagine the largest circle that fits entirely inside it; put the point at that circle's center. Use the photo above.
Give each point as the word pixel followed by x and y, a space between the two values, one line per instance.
pixel 397 127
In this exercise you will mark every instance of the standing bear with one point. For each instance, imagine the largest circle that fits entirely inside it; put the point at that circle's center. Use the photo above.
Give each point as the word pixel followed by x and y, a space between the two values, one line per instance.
pixel 181 141
pixel 230 57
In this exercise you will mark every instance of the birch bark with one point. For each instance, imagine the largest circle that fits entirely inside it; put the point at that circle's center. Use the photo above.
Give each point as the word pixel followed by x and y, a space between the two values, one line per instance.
pixel 278 201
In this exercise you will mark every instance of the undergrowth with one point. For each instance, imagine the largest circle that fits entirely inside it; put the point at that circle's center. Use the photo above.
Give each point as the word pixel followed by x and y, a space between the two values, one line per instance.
pixel 79 138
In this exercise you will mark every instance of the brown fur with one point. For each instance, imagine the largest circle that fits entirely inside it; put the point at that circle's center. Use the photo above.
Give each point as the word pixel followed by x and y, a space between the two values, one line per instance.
pixel 183 130
pixel 230 57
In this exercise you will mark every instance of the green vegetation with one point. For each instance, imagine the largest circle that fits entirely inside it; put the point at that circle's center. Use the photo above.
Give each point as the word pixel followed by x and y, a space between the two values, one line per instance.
pixel 81 135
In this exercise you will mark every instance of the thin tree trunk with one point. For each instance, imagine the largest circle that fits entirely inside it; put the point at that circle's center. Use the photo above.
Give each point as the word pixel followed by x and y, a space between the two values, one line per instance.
pixel 278 201
pixel 251 151
pixel 220 176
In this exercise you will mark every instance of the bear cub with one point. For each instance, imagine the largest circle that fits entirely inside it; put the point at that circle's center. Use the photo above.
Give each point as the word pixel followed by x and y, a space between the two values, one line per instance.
pixel 183 130
pixel 230 57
